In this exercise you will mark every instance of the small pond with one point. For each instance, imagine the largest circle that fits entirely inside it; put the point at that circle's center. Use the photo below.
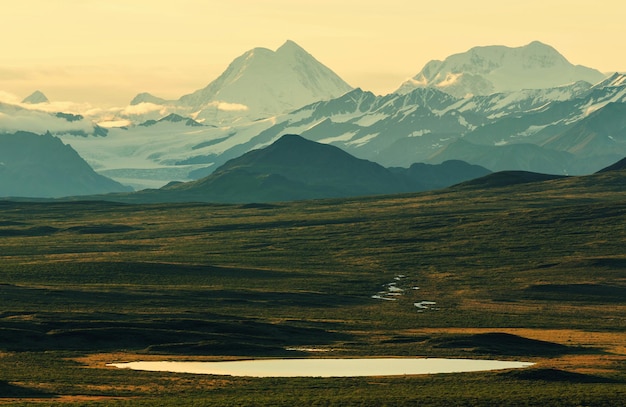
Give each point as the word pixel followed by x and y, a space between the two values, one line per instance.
pixel 326 367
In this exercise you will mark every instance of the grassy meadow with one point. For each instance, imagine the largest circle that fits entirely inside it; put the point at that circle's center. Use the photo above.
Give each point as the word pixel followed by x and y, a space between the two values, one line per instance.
pixel 533 272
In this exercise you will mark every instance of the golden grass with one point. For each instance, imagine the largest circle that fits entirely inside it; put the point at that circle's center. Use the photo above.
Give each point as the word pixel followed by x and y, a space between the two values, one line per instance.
pixel 612 343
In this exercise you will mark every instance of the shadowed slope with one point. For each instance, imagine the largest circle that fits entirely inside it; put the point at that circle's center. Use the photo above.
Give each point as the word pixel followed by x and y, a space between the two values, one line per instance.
pixel 33 165
pixel 294 168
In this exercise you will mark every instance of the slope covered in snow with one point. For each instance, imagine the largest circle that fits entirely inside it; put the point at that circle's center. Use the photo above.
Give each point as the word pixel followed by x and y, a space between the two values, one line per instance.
pixel 156 153
pixel 493 69
pixel 262 83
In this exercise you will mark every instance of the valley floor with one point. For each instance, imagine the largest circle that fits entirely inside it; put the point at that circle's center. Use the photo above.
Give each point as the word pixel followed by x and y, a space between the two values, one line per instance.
pixel 529 273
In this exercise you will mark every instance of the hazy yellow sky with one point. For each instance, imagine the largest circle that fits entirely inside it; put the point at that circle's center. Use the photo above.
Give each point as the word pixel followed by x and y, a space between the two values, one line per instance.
pixel 106 51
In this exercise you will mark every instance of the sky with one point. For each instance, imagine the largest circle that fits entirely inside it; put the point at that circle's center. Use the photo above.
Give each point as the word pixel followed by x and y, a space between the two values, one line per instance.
pixel 104 52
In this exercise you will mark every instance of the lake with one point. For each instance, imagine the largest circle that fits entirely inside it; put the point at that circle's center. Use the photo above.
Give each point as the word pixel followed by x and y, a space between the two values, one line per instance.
pixel 325 367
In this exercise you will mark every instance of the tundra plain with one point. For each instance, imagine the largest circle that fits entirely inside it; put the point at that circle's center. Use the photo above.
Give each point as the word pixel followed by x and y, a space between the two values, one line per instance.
pixel 533 272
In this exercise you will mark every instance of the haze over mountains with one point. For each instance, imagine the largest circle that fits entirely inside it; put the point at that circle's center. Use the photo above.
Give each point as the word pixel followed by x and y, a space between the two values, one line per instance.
pixel 525 108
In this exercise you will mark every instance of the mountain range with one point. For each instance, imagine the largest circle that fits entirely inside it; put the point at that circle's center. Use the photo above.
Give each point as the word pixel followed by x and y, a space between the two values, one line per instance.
pixel 523 129
pixel 522 109
pixel 294 168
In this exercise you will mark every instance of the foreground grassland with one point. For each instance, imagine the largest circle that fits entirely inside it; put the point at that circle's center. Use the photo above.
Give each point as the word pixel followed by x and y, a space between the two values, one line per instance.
pixel 535 272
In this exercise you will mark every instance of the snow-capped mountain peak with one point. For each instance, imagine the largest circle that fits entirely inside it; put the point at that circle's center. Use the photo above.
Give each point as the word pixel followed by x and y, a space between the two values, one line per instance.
pixel 263 82
pixel 492 69
pixel 290 47
pixel 35 98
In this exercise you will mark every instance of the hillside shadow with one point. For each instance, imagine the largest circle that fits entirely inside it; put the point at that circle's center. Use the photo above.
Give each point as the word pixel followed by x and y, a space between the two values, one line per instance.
pixel 50 230
pixel 177 334
pixel 11 391
pixel 101 229
pixel 30 232
pixel 556 375
pixel 497 343
pixel 577 292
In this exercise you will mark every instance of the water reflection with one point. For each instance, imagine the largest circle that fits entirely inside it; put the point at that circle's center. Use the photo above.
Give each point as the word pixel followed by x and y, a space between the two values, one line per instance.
pixel 326 367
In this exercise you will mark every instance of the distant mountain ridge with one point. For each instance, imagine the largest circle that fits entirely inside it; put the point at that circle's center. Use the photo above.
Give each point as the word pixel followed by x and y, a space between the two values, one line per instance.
pixel 527 130
pixel 294 168
pixel 524 130
pixel 173 118
pixel 496 68
pixel 612 177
